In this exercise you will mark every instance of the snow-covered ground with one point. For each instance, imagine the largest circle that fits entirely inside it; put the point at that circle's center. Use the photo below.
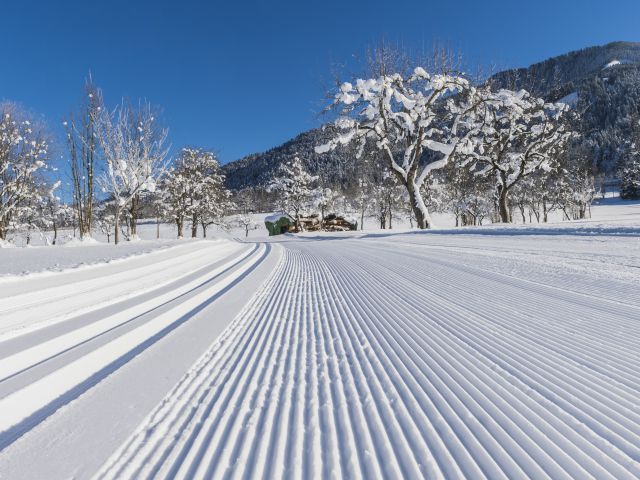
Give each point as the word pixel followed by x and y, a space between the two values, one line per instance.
pixel 497 352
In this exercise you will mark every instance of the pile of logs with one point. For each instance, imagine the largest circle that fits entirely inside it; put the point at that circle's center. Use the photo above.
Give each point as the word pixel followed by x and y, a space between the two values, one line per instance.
pixel 330 223
pixel 311 223
pixel 334 223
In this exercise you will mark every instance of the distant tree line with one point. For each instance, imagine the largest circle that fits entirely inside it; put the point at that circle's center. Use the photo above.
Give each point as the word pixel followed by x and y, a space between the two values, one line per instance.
pixel 116 171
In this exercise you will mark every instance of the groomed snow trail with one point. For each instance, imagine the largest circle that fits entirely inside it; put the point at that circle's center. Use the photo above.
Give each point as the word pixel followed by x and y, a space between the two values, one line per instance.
pixel 405 358
pixel 50 361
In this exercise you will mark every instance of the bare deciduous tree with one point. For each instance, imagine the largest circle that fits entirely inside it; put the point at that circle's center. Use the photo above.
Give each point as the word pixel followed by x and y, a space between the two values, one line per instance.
pixel 135 149
pixel 82 145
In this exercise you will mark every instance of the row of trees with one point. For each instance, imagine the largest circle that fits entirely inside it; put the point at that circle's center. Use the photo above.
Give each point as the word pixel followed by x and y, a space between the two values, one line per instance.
pixel 452 145
pixel 118 170
pixel 405 143
pixel 630 168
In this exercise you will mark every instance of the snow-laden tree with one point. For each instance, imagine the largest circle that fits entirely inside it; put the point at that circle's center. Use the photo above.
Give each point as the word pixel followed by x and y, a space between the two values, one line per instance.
pixel 629 170
pixel 53 212
pixel 630 178
pixel 515 136
pixel 105 219
pixel 468 196
pixel 295 189
pixel 244 202
pixel 194 188
pixel 325 200
pixel 215 205
pixel 214 199
pixel 175 202
pixel 246 222
pixel 23 153
pixel 134 149
pixel 360 200
pixel 38 212
pixel 410 120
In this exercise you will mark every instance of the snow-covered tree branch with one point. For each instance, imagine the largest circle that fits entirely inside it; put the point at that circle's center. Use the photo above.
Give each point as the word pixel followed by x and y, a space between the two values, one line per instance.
pixel 194 189
pixel 410 120
pixel 23 152
pixel 515 136
pixel 295 188
pixel 135 150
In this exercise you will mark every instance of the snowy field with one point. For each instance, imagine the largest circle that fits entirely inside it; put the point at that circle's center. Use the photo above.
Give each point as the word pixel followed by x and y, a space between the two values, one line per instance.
pixel 493 352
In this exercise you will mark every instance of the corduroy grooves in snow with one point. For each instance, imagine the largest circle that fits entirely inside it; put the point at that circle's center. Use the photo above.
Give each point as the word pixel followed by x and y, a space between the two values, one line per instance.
pixel 415 356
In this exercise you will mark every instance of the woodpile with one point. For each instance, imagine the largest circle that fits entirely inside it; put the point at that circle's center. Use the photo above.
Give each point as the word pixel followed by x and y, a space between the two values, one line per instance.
pixel 334 223
pixel 331 223
pixel 311 223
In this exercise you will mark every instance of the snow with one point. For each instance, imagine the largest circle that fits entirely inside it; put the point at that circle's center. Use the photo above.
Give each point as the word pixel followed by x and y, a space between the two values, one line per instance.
pixel 19 406
pixel 571 99
pixel 612 63
pixel 6 244
pixel 483 352
pixel 274 217
pixel 331 373
pixel 77 242
pixel 27 261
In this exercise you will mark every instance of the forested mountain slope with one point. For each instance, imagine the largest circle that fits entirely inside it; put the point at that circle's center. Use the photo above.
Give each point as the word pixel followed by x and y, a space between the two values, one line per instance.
pixel 602 83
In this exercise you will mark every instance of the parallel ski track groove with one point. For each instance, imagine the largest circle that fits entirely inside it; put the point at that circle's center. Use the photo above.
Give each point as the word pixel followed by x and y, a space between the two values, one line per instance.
pixel 358 361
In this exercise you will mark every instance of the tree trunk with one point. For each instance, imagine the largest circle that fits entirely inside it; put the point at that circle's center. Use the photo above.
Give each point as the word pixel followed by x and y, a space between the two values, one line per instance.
pixel 503 205
pixel 157 227
pixel 133 221
pixel 116 233
pixel 417 205
pixel 204 230
pixel 194 226
pixel 298 223
pixel 179 223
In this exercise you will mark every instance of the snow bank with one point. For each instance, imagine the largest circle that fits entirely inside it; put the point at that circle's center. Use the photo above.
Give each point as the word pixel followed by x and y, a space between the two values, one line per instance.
pixel 81 242
pixel 6 244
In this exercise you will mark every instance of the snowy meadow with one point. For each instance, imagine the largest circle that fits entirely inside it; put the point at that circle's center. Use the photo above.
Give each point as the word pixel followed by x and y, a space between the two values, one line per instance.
pixel 439 281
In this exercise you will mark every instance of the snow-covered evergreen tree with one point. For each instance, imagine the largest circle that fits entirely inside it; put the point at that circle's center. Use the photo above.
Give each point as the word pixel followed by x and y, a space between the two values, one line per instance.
pixel 630 169
pixel 630 178
pixel 295 188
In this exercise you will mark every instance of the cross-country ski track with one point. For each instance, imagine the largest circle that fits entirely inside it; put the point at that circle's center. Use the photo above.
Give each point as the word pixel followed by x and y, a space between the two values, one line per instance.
pixel 335 356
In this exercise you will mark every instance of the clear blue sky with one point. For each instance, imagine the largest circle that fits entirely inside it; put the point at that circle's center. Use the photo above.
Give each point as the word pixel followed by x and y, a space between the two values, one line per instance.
pixel 241 77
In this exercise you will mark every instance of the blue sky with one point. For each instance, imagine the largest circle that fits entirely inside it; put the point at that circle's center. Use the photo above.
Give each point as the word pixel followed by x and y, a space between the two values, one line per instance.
pixel 241 77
